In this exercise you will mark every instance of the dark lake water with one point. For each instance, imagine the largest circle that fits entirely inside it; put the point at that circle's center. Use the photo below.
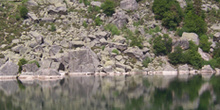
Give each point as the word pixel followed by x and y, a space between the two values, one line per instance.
pixel 113 93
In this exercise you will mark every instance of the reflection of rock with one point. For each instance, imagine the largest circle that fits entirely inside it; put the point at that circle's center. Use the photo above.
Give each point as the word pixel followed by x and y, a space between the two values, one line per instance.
pixel 207 70
pixel 9 87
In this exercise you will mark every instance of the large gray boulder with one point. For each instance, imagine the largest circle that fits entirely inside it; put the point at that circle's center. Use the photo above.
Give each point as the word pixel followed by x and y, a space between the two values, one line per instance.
pixel 83 60
pixel 205 56
pixel 19 49
pixel 37 36
pixel 134 52
pixel 9 68
pixel 217 37
pixel 47 72
pixel 129 5
pixel 120 19
pixel 33 17
pixel 183 69
pixel 30 68
pixel 54 50
pixel 59 9
pixel 96 3
pixel 190 37
pixel 207 70
pixel 184 44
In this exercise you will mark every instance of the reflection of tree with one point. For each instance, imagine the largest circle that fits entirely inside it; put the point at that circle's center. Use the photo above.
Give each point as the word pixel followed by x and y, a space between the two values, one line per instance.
pixel 162 99
pixel 190 87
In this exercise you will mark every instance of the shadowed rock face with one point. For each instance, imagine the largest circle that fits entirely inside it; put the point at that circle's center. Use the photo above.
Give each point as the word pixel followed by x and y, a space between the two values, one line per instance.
pixel 83 60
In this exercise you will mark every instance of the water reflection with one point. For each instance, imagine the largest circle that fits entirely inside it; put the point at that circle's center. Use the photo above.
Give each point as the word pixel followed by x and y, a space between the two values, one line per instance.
pixel 112 93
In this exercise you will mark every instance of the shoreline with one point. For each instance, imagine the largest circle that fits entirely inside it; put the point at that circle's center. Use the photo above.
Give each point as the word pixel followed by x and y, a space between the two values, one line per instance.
pixel 30 77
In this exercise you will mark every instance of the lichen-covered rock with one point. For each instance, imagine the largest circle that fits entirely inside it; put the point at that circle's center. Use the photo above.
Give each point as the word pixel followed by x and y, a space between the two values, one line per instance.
pixel 47 72
pixel 30 68
pixel 190 37
pixel 205 56
pixel 217 37
pixel 183 69
pixel 129 5
pixel 9 68
pixel 96 3
pixel 134 52
pixel 37 36
pixel 120 19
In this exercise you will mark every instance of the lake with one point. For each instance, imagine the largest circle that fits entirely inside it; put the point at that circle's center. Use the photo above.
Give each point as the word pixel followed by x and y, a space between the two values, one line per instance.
pixel 113 93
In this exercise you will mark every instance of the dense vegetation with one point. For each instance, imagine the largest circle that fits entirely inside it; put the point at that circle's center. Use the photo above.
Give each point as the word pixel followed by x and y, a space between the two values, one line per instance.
pixel 169 12
pixel 162 45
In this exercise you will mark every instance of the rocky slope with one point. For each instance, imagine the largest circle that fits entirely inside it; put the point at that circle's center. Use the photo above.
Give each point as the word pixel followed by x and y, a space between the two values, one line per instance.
pixel 61 35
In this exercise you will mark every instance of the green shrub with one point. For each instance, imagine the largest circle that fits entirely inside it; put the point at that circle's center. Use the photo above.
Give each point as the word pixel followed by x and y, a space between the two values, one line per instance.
pixel 169 11
pixel 85 25
pixel 153 30
pixel 135 39
pixel 113 29
pixel 146 61
pixel 162 45
pixel 36 62
pixel 177 56
pixel 204 44
pixel 216 52
pixel 194 23
pixel 20 63
pixel 115 51
pixel 98 21
pixel 53 28
pixel 23 12
pixel 108 7
pixel 85 2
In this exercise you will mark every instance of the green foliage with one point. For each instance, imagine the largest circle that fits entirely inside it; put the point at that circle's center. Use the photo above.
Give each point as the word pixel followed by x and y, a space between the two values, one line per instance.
pixel 113 29
pixel 215 82
pixel 189 87
pixel 216 52
pixel 53 28
pixel 169 11
pixel 98 21
pixel 133 39
pixel 153 30
pixel 85 2
pixel 36 62
pixel 108 7
pixel 204 44
pixel 177 56
pixel 92 9
pixel 23 11
pixel 190 56
pixel 162 45
pixel 194 23
pixel 204 101
pixel 20 63
pixel 85 25
pixel 115 51
pixel 146 61
pixel 214 63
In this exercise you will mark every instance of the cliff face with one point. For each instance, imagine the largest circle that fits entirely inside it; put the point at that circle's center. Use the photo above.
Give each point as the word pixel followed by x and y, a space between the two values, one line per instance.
pixel 79 36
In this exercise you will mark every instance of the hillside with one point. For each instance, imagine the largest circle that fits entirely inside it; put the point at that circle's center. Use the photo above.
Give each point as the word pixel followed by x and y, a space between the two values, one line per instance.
pixel 75 36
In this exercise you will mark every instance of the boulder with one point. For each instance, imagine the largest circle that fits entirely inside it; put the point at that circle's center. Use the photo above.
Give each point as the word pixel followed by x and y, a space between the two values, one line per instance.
pixel 30 68
pixel 119 46
pixel 184 44
pixel 96 3
pixel 183 69
pixel 215 27
pixel 108 69
pixel 120 19
pixel 190 37
pixel 169 70
pixel 207 70
pixel 32 3
pixel 33 17
pixel 47 72
pixel 129 5
pixel 205 56
pixel 19 49
pixel 76 44
pixel 102 34
pixel 59 9
pixel 54 50
pixel 182 3
pixel 217 37
pixel 134 52
pixel 9 68
pixel 47 19
pixel 82 60
pixel 37 36
pixel 119 39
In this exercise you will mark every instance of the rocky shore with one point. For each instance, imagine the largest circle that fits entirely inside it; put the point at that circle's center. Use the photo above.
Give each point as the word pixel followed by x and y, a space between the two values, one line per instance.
pixel 59 37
